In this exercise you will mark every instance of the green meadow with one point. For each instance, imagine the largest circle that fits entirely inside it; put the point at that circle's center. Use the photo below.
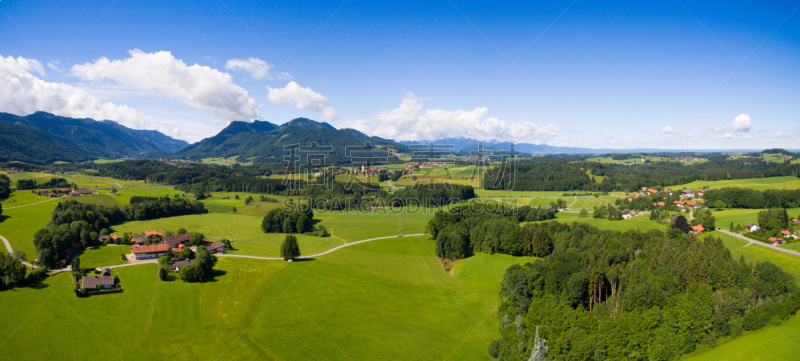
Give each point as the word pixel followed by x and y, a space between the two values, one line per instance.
pixel 382 300
pixel 753 183
pixel 102 256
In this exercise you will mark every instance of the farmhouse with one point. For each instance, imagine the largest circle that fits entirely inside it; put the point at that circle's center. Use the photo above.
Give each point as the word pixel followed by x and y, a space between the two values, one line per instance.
pixel 794 221
pixel 789 234
pixel 150 251
pixel 92 283
pixel 776 241
pixel 660 204
pixel 698 229
pixel 178 239
pixel 692 204
pixel 176 265
pixel 74 194
pixel 752 227
pixel 687 194
pixel 84 191
pixel 216 247
pixel 652 191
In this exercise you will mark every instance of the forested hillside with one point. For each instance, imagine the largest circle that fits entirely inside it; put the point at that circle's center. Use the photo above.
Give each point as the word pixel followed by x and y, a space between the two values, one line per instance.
pixel 90 138
pixel 264 142
pixel 23 144
pixel 532 175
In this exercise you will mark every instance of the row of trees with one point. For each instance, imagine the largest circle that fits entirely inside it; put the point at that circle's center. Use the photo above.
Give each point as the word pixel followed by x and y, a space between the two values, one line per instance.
pixel 431 195
pixel 5 187
pixel 639 295
pixel 753 199
pixel 143 208
pixel 55 182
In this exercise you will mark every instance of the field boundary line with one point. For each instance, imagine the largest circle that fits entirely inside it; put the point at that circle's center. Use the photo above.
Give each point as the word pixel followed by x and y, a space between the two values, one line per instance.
pixel 152 308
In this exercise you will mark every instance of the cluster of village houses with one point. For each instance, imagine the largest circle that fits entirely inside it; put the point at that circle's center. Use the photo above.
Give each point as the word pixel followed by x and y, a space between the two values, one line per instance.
pixel 785 235
pixel 141 251
pixel 57 192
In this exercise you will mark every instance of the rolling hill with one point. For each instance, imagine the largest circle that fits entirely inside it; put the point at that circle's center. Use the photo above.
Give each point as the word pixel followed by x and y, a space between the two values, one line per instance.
pixel 264 141
pixel 90 138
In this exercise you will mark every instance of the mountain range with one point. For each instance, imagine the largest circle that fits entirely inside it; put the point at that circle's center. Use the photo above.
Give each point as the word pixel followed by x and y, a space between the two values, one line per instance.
pixel 262 141
pixel 43 138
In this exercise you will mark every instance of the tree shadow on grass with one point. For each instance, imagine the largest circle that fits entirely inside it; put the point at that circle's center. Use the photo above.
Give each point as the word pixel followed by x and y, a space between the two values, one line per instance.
pixel 215 273
pixel 3 218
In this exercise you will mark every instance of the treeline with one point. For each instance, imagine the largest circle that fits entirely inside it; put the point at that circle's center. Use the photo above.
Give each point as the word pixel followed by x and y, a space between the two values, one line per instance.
pixel 753 199
pixel 54 182
pixel 532 175
pixel 655 296
pixel 15 274
pixel 433 195
pixel 462 230
pixel 142 208
pixel 5 187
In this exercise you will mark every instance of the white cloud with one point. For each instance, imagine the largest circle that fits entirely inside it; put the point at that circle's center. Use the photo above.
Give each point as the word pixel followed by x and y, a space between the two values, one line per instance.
pixel 304 98
pixel 257 68
pixel 408 122
pixel 741 124
pixel 667 130
pixel 608 134
pixel 197 86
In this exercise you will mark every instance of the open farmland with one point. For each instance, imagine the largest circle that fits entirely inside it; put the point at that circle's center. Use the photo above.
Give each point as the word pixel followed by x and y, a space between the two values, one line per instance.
pixel 253 309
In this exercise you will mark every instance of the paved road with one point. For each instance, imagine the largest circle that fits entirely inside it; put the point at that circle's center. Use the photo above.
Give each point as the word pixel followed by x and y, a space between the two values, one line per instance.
pixel 762 244
pixel 8 248
pixel 323 253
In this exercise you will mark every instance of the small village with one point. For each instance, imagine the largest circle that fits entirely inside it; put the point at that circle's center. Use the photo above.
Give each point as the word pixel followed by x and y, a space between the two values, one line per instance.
pixel 146 247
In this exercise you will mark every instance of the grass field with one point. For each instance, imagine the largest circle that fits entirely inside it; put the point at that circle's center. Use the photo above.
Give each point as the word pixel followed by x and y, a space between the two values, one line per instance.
pixel 778 343
pixel 103 256
pixel 753 183
pixel 19 224
pixel 742 216
pixel 383 300
pixel 23 198
pixel 642 222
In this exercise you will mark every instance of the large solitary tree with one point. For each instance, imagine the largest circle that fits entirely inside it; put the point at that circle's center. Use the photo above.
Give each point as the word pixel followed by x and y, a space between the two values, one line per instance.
pixel 682 224
pixel 290 249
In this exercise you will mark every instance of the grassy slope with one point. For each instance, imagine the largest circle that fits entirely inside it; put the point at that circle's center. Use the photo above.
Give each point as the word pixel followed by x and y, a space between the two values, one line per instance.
pixel 754 183
pixel 386 299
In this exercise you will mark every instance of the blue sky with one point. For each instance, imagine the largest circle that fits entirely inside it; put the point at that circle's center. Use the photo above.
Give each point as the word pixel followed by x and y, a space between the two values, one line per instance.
pixel 671 74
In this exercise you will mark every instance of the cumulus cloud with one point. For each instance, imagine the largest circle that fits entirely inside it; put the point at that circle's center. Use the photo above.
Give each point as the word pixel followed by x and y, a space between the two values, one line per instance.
pixel 409 122
pixel 741 124
pixel 667 130
pixel 23 93
pixel 198 86
pixel 303 98
pixel 257 68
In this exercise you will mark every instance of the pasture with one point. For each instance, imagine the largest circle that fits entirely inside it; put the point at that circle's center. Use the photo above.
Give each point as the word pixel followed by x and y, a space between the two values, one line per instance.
pixel 642 223
pixel 752 183
pixel 102 256
pixel 776 343
pixel 388 299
